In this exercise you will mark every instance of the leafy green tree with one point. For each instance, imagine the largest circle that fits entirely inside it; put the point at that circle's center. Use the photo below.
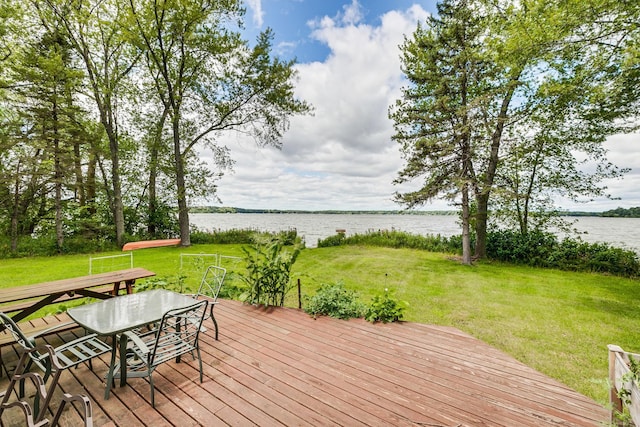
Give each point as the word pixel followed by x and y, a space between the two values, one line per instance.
pixel 582 98
pixel 556 81
pixel 38 133
pixel 440 121
pixel 209 81
pixel 94 29
pixel 48 82
pixel 24 177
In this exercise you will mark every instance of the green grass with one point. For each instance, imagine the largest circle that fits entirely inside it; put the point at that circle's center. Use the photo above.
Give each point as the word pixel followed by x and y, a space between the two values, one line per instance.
pixel 554 321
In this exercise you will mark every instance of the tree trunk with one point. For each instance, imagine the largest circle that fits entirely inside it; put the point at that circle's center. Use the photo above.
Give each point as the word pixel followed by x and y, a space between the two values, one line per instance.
pixel 482 195
pixel 118 206
pixel 183 211
pixel 57 179
pixel 14 213
pixel 482 201
pixel 466 235
pixel 153 203
pixel 80 193
pixel 153 174
pixel 90 183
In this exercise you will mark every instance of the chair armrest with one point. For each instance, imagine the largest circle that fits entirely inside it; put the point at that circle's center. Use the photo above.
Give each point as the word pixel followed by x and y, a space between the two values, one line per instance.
pixel 144 349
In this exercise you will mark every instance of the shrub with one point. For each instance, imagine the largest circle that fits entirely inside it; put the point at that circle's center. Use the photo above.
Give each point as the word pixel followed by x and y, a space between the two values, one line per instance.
pixel 46 246
pixel 385 308
pixel 335 301
pixel 335 240
pixel 396 239
pixel 241 236
pixel 540 249
pixel 172 283
pixel 233 236
pixel 233 286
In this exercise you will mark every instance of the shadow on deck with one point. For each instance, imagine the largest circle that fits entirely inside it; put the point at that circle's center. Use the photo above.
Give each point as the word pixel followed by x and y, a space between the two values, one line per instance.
pixel 282 367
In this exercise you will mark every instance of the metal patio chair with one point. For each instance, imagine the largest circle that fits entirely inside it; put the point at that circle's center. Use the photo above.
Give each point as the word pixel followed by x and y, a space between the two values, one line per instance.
pixel 68 355
pixel 210 286
pixel 35 417
pixel 176 335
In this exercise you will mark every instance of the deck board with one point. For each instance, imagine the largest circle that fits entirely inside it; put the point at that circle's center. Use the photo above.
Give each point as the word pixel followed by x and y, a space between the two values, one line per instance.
pixel 281 367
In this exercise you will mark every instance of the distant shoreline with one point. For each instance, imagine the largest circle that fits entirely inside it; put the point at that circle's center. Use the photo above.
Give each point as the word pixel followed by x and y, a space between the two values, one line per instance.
pixel 616 213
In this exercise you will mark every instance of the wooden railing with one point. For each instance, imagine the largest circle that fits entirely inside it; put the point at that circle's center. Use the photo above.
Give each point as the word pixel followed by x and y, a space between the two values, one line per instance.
pixel 624 392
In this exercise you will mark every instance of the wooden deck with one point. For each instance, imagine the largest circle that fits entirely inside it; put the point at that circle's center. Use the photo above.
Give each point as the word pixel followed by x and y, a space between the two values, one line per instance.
pixel 281 367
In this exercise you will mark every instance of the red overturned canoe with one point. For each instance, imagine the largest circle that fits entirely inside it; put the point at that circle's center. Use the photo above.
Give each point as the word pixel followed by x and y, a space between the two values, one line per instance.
pixel 150 244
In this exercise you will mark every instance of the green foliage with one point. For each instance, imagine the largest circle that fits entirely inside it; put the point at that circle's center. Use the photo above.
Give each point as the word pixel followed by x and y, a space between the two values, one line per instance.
pixel 335 240
pixel 385 308
pixel 171 283
pixel 335 300
pixel 163 218
pixel 633 375
pixel 233 287
pixel 542 249
pixel 268 270
pixel 241 236
pixel 396 239
pixel 46 246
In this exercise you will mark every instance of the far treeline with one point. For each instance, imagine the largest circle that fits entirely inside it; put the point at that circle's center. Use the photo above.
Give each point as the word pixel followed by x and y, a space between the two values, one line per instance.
pixel 623 213
pixel 614 213
pixel 218 209
pixel 107 105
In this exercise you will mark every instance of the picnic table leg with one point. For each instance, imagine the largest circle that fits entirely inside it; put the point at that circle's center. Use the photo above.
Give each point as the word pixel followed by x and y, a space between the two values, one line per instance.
pixel 116 289
pixel 129 285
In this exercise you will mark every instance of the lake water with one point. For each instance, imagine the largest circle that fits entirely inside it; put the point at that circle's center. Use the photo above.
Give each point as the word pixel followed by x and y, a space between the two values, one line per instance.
pixel 620 232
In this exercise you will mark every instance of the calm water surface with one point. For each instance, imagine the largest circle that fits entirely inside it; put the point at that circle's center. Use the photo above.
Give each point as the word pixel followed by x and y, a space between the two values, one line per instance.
pixel 621 232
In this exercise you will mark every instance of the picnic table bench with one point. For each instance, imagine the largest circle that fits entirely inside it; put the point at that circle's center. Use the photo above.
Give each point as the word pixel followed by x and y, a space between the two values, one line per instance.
pixel 23 301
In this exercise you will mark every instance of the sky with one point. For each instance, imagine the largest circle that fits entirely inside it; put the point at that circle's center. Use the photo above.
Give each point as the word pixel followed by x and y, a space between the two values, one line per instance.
pixel 342 157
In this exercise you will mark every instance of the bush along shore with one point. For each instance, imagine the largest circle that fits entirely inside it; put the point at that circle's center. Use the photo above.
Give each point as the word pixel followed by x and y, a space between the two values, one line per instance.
pixel 536 249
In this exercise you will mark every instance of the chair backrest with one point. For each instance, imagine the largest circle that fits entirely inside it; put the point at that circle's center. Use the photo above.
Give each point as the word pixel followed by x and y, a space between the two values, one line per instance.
pixel 7 323
pixel 211 282
pixel 178 333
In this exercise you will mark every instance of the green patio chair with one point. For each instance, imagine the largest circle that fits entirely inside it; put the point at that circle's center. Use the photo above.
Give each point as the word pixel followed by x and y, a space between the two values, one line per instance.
pixel 68 355
pixel 35 417
pixel 210 285
pixel 176 335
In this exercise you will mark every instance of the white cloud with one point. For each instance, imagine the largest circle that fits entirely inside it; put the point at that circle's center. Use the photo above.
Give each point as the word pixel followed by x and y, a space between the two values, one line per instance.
pixel 257 12
pixel 284 49
pixel 352 13
pixel 342 157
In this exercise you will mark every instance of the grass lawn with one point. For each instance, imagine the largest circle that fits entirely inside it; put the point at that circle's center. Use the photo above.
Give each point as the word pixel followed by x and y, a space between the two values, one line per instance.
pixel 556 322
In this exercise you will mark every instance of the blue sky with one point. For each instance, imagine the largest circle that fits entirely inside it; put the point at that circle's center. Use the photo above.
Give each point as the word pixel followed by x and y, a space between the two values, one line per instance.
pixel 295 20
pixel 342 156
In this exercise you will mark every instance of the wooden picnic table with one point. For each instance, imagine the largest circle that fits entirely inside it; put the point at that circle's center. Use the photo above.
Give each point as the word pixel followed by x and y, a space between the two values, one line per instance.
pixel 31 298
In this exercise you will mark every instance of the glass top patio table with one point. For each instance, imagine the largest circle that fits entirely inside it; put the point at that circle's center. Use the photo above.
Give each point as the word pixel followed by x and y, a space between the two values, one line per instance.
pixel 124 313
